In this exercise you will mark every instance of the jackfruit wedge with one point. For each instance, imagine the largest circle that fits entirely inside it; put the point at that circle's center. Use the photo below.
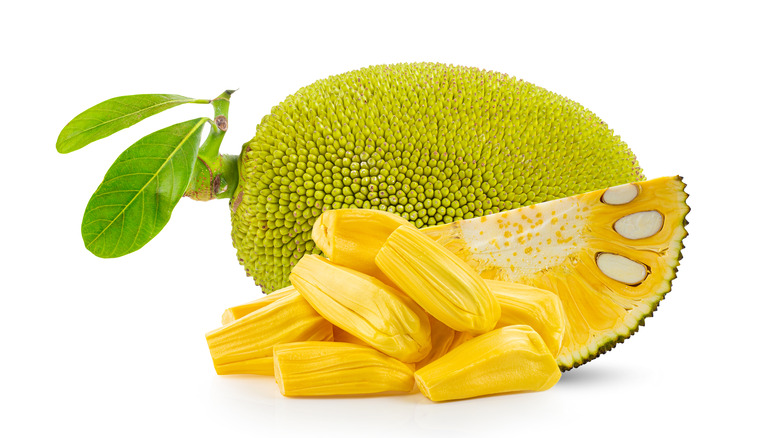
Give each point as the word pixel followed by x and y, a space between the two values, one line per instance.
pixel 610 255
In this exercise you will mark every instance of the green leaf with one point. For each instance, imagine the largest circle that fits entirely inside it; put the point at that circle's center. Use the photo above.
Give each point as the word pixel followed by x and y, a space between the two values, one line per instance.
pixel 139 191
pixel 114 115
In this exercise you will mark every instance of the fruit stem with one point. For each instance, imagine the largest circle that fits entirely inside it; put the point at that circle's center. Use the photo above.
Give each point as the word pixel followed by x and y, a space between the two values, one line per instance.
pixel 229 175
pixel 215 176
pixel 209 151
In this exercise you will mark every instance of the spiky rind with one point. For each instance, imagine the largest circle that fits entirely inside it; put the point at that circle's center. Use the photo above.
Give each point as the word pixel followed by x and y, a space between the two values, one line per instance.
pixel 435 143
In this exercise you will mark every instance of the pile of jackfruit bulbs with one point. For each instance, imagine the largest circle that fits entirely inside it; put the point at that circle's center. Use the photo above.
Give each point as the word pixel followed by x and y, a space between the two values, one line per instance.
pixel 391 310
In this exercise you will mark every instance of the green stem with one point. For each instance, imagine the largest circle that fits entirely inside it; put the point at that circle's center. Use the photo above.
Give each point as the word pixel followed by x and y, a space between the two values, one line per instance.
pixel 209 152
pixel 229 175
pixel 215 176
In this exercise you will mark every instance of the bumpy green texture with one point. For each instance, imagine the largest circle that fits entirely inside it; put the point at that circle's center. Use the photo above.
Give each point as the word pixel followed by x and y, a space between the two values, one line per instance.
pixel 433 142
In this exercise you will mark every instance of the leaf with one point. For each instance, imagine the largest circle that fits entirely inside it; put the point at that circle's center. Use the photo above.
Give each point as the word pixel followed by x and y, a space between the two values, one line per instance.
pixel 139 191
pixel 114 115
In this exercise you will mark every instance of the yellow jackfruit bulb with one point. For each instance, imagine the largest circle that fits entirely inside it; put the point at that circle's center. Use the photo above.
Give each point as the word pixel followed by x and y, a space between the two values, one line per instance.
pixel 441 342
pixel 459 339
pixel 540 309
pixel 236 312
pixel 245 346
pixel 351 237
pixel 338 368
pixel 508 359
pixel 444 285
pixel 341 335
pixel 365 307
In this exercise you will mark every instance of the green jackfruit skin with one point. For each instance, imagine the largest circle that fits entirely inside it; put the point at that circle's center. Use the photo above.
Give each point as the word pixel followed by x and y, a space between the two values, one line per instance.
pixel 434 143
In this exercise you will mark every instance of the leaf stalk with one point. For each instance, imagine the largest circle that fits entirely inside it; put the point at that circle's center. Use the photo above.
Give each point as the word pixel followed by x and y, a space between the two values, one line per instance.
pixel 215 176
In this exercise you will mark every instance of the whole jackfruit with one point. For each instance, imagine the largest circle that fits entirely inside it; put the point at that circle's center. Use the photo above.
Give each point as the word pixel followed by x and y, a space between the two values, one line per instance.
pixel 434 143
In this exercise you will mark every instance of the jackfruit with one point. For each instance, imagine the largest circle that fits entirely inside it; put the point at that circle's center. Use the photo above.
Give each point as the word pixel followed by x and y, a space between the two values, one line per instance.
pixel 442 338
pixel 378 314
pixel 539 309
pixel 459 339
pixel 352 237
pixel 338 368
pixel 341 335
pixel 610 256
pixel 236 312
pixel 509 359
pixel 434 143
pixel 245 346
pixel 446 287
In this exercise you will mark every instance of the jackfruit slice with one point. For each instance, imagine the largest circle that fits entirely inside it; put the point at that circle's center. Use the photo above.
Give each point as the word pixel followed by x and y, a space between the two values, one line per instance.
pixel 434 143
pixel 610 256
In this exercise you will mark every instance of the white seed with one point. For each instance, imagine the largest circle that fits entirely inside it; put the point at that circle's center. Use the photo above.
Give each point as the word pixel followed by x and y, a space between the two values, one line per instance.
pixel 620 195
pixel 640 225
pixel 621 269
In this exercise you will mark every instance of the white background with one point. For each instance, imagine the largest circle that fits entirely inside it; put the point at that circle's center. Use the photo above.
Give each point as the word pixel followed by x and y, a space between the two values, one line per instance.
pixel 96 347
